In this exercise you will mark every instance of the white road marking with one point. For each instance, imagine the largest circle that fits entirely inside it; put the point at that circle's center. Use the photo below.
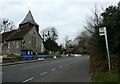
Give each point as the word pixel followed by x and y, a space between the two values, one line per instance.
pixel 60 66
pixel 53 69
pixel 43 73
pixel 28 80
pixel 31 66
pixel 37 65
pixel 1 73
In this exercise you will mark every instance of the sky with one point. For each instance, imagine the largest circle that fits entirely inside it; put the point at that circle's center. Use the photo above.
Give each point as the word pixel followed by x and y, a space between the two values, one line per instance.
pixel 67 16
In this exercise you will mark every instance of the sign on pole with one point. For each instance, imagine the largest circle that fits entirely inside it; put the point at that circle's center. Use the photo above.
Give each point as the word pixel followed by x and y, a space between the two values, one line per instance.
pixel 102 32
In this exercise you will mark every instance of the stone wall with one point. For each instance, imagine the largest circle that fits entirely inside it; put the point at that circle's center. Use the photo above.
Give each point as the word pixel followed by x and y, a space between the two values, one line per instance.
pixel 12 47
pixel 33 41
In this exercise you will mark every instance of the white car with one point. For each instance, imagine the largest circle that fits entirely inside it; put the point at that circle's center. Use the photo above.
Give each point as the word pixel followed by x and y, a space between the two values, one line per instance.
pixel 41 59
pixel 54 57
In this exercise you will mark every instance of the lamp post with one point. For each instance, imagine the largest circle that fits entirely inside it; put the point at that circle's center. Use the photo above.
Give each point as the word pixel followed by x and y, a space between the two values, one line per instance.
pixel 103 32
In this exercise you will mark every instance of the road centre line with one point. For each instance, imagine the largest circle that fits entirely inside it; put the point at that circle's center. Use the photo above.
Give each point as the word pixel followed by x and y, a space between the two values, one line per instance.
pixel 28 80
pixel 31 66
pixel 43 73
pixel 53 69
pixel 60 66
pixel 36 65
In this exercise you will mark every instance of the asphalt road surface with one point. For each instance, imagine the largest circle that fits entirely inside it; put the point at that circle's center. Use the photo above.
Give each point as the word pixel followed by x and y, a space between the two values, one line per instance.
pixel 70 69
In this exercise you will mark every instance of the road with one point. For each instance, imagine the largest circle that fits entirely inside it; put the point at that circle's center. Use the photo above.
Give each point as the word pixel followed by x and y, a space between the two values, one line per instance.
pixel 70 69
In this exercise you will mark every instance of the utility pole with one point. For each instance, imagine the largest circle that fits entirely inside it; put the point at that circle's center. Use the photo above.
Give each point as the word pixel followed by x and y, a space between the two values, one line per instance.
pixel 102 32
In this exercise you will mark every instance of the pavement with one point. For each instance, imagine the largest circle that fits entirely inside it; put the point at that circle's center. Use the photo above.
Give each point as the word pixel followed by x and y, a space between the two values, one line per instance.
pixel 70 69
pixel 21 62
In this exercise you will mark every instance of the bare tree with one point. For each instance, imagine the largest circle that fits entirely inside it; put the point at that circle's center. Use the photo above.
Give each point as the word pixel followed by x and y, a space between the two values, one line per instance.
pixel 49 32
pixel 82 42
pixel 6 25
pixel 1 26
pixel 92 27
pixel 87 39
pixel 66 41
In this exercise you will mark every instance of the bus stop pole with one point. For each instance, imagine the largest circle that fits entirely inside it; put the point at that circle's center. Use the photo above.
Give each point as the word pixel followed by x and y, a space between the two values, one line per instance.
pixel 106 40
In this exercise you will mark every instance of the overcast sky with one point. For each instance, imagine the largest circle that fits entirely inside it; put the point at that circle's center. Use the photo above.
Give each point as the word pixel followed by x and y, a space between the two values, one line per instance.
pixel 68 16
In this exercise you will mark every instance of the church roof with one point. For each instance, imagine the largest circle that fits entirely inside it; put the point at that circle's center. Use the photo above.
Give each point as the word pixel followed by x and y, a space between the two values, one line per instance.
pixel 7 34
pixel 15 34
pixel 20 32
pixel 29 18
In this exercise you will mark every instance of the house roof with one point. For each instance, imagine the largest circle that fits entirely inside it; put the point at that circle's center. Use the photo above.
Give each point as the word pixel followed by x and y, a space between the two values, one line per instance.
pixel 15 34
pixel 29 18
pixel 69 49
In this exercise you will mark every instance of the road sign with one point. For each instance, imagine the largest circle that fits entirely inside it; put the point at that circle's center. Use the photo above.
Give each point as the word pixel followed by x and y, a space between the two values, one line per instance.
pixel 102 32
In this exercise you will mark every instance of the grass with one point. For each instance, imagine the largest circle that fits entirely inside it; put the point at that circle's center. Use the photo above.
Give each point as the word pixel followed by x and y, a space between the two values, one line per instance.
pixel 105 77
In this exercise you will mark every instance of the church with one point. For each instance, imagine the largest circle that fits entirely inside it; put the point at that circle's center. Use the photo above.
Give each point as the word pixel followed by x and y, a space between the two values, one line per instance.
pixel 25 38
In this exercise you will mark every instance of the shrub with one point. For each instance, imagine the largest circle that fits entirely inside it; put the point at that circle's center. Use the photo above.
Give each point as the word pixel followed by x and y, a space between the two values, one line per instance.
pixel 17 57
pixel 12 55
pixel 114 62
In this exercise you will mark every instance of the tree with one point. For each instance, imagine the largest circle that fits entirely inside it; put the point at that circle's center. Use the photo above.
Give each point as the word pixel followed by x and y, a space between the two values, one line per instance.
pixel 50 35
pixel 89 41
pixel 61 49
pixel 50 32
pixel 51 45
pixel 82 45
pixel 111 20
pixel 66 41
pixel 6 25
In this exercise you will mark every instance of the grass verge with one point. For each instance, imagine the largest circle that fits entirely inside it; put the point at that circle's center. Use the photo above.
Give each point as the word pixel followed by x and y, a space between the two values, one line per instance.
pixel 105 77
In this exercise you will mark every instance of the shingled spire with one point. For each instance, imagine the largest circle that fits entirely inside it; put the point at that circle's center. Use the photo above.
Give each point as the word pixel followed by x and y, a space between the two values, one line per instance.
pixel 28 19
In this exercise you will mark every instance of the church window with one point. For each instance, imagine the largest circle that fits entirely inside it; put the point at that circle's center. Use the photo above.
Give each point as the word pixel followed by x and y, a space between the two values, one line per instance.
pixel 17 44
pixel 8 45
pixel 30 41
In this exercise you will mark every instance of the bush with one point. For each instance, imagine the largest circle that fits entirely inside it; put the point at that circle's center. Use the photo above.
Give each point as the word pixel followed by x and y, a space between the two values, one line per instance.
pixel 97 64
pixel 17 57
pixel 114 62
pixel 12 55
pixel 49 56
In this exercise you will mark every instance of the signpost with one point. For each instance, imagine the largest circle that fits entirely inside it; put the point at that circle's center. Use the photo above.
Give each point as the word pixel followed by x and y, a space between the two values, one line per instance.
pixel 103 32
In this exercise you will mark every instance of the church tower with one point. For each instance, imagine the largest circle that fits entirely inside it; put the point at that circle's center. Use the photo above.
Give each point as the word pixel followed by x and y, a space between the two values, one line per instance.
pixel 29 22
